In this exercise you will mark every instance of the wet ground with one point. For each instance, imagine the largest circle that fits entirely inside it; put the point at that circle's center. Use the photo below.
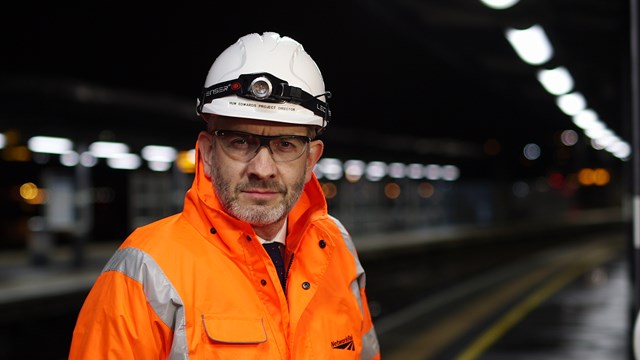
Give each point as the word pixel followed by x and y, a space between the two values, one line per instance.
pixel 566 298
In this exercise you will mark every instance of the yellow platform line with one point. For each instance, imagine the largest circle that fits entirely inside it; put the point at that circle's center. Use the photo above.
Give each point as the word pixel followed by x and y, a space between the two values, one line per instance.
pixel 593 258
pixel 435 337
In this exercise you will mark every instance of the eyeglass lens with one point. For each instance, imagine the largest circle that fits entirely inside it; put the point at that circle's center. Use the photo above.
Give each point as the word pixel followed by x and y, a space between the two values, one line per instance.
pixel 244 146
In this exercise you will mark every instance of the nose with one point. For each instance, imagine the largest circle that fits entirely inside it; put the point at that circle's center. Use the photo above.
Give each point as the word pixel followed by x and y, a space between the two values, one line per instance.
pixel 262 164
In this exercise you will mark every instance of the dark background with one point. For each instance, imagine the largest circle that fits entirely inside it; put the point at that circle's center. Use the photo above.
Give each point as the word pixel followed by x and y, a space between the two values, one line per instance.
pixel 425 81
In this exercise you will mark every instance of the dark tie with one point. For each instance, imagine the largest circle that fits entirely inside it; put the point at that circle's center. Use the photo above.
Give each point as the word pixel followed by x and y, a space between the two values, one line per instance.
pixel 275 250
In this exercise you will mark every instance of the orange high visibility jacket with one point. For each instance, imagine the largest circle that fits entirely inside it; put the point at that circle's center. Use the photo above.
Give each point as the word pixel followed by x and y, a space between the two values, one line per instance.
pixel 199 285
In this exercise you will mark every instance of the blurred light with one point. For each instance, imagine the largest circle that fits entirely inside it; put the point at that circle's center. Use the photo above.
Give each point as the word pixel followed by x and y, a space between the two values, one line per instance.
pixel 599 177
pixel 596 130
pixel 532 44
pixel 124 161
pixel 186 161
pixel 376 170
pixel 49 145
pixel 499 4
pixel 432 172
pixel 28 191
pixel 415 171
pixel 397 170
pixel 37 224
pixel 520 189
pixel 556 81
pixel 450 173
pixel 16 153
pixel 569 137
pixel 585 119
pixel 353 170
pixel 31 194
pixel 87 159
pixel 604 138
pixel 531 151
pixel 392 190
pixel 425 190
pixel 330 190
pixel 556 180
pixel 596 145
pixel 3 141
pixel 159 165
pixel 106 149
pixel 159 153
pixel 621 150
pixel 600 133
pixel 585 177
pixel 331 168
pixel 572 103
pixel 70 158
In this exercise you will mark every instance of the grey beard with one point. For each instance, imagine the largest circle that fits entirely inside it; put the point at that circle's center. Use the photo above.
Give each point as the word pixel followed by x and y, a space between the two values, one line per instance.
pixel 257 214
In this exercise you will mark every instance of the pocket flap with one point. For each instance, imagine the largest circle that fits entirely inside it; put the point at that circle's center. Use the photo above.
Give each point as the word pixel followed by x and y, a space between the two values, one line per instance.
pixel 235 329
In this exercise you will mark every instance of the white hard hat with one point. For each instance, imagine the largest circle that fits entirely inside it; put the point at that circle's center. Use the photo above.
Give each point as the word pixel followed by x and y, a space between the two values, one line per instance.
pixel 266 77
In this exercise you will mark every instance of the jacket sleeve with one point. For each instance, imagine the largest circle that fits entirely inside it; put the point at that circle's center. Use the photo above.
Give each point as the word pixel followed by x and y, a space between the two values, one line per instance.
pixel 118 322
pixel 370 345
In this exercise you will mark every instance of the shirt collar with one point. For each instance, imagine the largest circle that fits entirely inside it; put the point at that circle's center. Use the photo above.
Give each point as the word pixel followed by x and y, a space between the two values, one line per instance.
pixel 280 236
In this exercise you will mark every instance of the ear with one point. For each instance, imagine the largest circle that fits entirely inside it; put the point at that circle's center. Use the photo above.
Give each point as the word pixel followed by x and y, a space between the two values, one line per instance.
pixel 316 147
pixel 205 146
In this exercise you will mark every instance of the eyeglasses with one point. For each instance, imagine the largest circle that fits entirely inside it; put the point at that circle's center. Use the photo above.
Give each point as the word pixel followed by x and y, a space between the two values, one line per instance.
pixel 244 146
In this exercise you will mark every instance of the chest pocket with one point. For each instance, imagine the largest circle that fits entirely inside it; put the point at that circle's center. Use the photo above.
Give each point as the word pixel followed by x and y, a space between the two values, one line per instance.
pixel 234 329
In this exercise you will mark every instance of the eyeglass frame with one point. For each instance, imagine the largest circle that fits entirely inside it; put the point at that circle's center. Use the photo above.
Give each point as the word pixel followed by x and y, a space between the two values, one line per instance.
pixel 264 141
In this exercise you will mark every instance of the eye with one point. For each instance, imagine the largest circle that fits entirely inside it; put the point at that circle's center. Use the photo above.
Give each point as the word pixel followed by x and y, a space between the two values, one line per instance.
pixel 237 140
pixel 285 144
pixel 288 144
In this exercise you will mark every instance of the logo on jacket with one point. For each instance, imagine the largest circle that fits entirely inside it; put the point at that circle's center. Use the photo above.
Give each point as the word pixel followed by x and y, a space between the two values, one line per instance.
pixel 346 344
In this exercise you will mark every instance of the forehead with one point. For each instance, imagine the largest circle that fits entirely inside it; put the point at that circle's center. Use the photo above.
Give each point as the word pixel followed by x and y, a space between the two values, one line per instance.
pixel 253 126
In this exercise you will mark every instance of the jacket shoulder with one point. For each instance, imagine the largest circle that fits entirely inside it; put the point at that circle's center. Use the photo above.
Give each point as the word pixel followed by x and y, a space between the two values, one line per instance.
pixel 160 231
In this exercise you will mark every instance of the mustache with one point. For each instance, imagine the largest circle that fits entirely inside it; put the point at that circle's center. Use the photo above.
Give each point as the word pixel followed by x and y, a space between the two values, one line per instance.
pixel 256 184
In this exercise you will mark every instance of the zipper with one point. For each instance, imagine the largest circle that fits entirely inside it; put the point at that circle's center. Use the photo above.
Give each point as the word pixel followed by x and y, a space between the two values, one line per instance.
pixel 286 273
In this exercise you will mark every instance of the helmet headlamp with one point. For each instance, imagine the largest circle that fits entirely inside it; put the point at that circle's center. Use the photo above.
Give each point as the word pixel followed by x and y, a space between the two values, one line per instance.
pixel 260 88
pixel 267 88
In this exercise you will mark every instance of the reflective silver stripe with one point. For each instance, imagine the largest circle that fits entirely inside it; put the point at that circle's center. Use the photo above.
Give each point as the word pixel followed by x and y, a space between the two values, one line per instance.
pixel 160 293
pixel 370 345
pixel 360 280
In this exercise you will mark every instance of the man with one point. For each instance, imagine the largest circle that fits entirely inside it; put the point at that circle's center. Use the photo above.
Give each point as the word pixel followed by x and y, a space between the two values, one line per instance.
pixel 200 284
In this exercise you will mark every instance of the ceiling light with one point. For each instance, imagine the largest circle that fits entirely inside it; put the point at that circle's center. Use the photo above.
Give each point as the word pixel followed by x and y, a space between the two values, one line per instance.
pixel 159 153
pixel 499 4
pixel 105 149
pixel 532 44
pixel 124 161
pixel 585 118
pixel 49 145
pixel 556 81
pixel 571 104
pixel 376 170
pixel 331 168
pixel 397 170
